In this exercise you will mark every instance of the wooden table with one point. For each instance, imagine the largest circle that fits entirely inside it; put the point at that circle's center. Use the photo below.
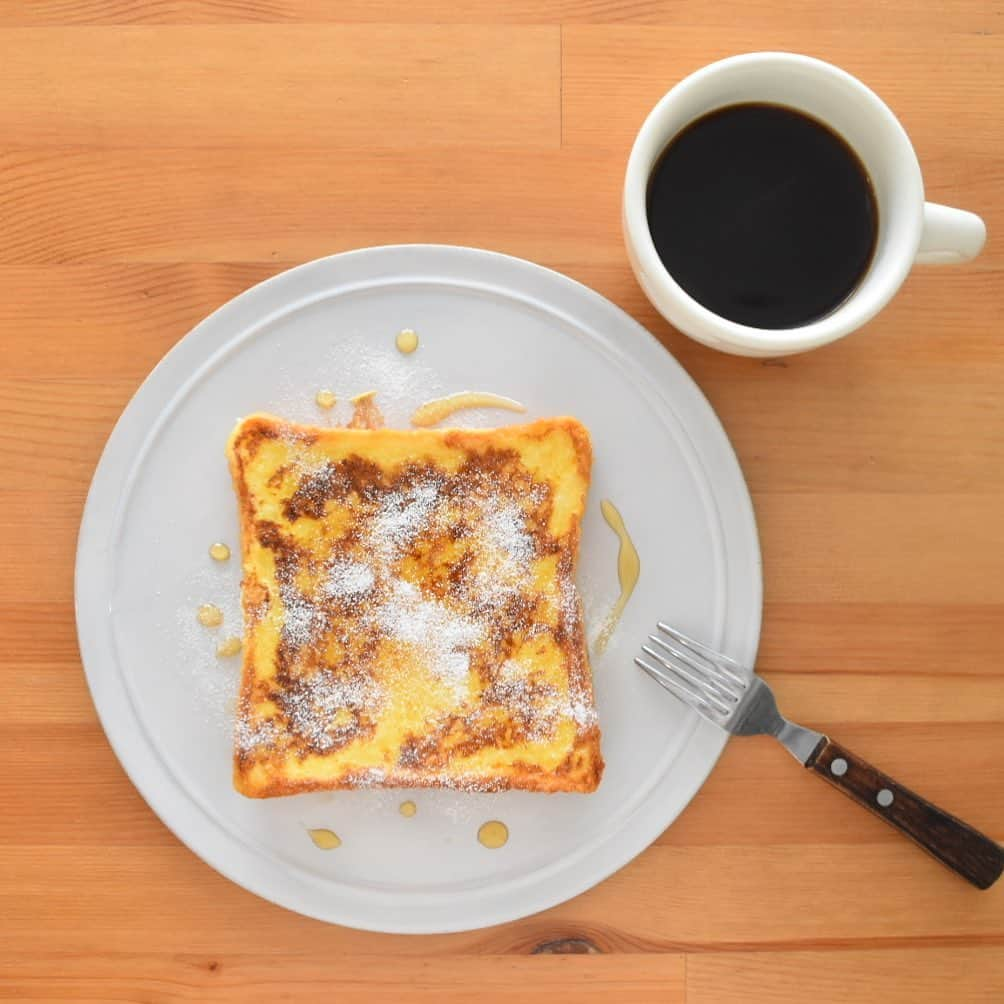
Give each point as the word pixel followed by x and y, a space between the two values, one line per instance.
pixel 157 158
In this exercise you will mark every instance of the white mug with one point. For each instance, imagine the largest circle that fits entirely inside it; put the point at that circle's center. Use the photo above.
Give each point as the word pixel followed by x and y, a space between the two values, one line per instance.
pixel 909 229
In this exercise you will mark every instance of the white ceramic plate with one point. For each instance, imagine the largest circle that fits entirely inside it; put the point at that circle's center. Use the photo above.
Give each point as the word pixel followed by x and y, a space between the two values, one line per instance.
pixel 162 494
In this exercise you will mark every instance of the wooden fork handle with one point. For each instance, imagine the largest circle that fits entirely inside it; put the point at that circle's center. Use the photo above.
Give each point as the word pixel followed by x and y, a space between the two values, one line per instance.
pixel 971 854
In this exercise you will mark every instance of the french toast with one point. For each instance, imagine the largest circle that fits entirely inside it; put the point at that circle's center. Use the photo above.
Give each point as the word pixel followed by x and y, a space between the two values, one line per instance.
pixel 410 608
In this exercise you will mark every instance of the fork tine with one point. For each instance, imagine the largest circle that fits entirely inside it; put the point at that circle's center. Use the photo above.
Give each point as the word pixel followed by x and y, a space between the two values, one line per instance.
pixel 663 678
pixel 706 678
pixel 720 663
pixel 699 686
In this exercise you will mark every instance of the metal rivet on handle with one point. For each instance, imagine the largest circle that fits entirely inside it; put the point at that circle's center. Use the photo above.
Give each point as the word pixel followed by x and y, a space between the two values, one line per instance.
pixel 839 767
pixel 884 798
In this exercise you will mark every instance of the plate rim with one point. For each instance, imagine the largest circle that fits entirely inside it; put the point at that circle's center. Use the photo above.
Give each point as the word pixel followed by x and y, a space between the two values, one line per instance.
pixel 704 745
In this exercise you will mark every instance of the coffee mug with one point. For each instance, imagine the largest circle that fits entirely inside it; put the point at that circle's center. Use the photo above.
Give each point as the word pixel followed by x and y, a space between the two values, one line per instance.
pixel 909 229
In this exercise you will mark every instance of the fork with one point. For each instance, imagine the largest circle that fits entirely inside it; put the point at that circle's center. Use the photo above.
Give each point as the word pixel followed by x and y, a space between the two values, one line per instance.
pixel 740 702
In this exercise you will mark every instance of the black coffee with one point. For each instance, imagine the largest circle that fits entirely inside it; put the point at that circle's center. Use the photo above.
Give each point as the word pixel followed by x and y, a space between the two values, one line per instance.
pixel 763 215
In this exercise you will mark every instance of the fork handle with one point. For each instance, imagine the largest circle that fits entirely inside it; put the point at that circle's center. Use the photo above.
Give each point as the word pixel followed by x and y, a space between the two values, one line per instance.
pixel 971 854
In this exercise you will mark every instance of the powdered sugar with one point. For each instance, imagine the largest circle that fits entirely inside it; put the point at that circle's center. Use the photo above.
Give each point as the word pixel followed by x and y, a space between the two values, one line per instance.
pixel 503 530
pixel 371 777
pixel 303 619
pixel 345 579
pixel 321 709
pixel 442 636
pixel 503 550
pixel 535 705
pixel 538 705
pixel 348 363
pixel 569 603
pixel 400 517
pixel 582 712
pixel 214 680
pixel 251 735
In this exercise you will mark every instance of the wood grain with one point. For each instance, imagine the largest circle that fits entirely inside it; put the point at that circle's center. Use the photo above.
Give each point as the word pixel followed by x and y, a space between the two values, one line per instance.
pixel 964 15
pixel 914 976
pixel 649 979
pixel 157 158
pixel 415 86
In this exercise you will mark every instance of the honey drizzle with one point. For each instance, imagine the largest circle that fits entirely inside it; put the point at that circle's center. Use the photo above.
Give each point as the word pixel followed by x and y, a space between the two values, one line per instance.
pixel 209 615
pixel 493 834
pixel 406 341
pixel 628 570
pixel 326 840
pixel 229 647
pixel 408 808
pixel 442 407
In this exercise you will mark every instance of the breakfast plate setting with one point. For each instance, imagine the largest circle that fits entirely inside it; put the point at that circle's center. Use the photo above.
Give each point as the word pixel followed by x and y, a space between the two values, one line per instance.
pixel 372 558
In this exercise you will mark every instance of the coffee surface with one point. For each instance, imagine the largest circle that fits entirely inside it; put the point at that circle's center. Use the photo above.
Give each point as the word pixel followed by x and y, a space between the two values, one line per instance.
pixel 763 215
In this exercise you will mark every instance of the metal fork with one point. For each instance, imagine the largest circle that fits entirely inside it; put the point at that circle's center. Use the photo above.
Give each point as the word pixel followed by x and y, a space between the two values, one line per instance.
pixel 736 699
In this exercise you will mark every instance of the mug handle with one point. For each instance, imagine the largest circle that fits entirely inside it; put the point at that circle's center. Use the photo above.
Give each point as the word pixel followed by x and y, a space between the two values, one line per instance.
pixel 949 236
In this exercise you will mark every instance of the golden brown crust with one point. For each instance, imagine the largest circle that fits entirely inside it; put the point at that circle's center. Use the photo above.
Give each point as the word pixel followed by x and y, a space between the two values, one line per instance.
pixel 583 780
pixel 294 485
